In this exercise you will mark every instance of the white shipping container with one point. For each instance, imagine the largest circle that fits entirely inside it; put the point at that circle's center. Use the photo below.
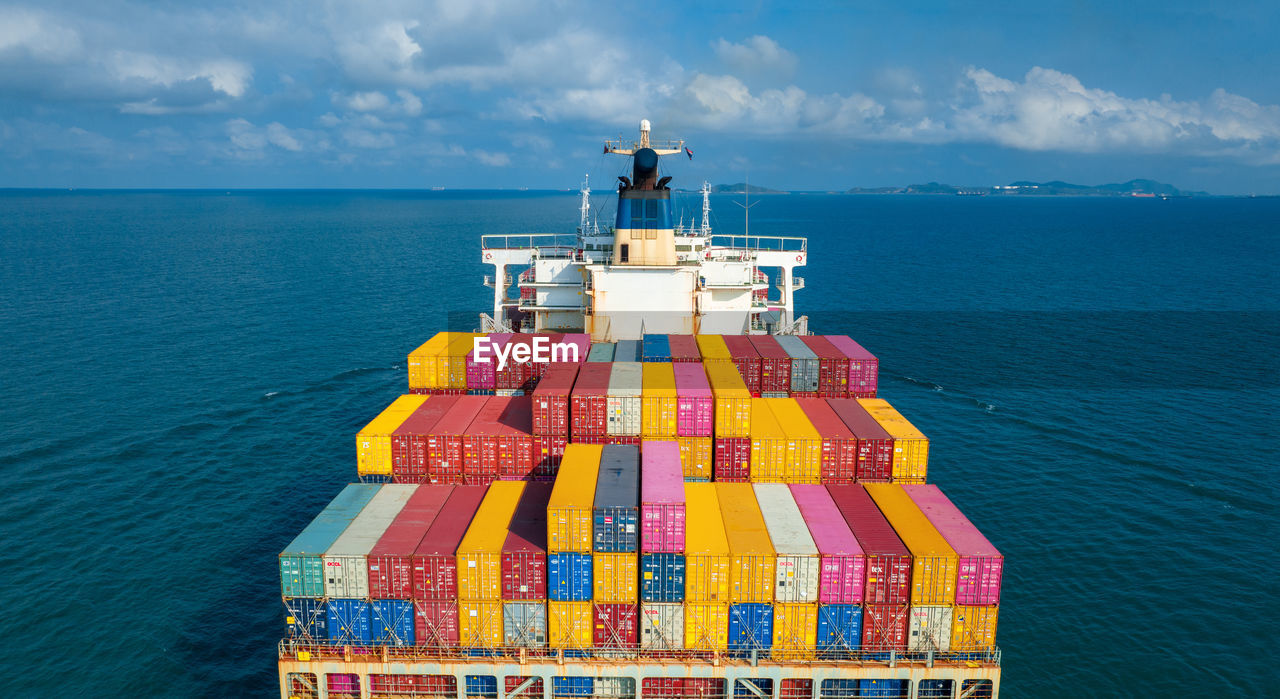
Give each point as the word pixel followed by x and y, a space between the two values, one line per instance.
pixel 346 568
pixel 622 402
pixel 798 566
pixel 524 624
pixel 662 626
pixel 619 687
pixel 930 628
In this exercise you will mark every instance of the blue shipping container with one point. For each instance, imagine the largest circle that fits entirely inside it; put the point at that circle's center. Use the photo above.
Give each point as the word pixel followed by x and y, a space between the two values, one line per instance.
pixel 656 348
pixel 301 564
pixel 839 628
pixel 616 510
pixel 934 689
pixel 662 577
pixel 750 627
pixel 481 685
pixel 392 622
pixel 839 688
pixel 569 577
pixel 349 622
pixel 883 689
pixel 764 684
pixel 601 352
pixel 306 619
pixel 627 351
pixel 571 686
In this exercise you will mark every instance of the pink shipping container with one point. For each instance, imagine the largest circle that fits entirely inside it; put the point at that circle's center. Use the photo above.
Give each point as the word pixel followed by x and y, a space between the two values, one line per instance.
pixel 733 459
pixel 684 348
pixel 444 444
pixel 775 365
pixel 551 400
pixel 839 445
pixel 747 359
pixel 981 566
pixel 589 401
pixel 843 563
pixel 864 368
pixel 833 367
pixel 435 571
pixel 516 375
pixel 694 404
pixel 662 513
pixel 409 453
pixel 484 375
pixel 875 446
pixel 582 341
pixel 390 560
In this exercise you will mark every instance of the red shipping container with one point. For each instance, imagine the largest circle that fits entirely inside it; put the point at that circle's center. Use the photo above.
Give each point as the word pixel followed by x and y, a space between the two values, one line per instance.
pixel 875 446
pixel 551 400
pixel 524 554
pixel 409 457
pixel 533 690
pixel 775 365
pixel 684 348
pixel 864 368
pixel 446 685
pixel 547 453
pixel 888 560
pixel 498 443
pixel 435 571
pixel 733 459
pixel 884 626
pixel 839 445
pixel 833 367
pixel 747 359
pixel 514 375
pixel 435 623
pixel 607 439
pixel 537 369
pixel 588 401
pixel 615 626
pixel 445 453
pixel 390 560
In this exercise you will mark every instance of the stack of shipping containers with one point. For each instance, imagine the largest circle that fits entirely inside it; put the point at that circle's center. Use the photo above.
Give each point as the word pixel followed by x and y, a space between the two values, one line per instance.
pixel 435 569
pixel 797 569
pixel 842 575
pixel 752 569
pixel 570 534
pixel 695 419
pixel 616 547
pixel 663 521
pixel 479 567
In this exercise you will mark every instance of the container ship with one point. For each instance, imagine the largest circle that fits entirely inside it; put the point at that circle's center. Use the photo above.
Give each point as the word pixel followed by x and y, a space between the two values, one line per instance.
pixel 641 478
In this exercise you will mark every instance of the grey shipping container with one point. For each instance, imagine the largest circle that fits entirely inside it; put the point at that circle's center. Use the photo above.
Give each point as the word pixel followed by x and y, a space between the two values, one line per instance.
pixel 930 628
pixel 616 509
pixel 627 351
pixel 662 626
pixel 804 364
pixel 302 561
pixel 346 566
pixel 601 352
pixel 799 567
pixel 622 402
pixel 524 624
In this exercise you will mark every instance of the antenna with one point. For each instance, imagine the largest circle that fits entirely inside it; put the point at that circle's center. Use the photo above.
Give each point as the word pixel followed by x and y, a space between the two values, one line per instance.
pixel 746 208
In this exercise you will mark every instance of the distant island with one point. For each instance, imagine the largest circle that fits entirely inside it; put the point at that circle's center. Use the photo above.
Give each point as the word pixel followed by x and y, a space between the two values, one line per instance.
pixel 1132 188
pixel 743 188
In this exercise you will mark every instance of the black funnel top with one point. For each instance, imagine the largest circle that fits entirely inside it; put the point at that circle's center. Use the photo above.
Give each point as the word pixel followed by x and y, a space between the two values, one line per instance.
pixel 644 169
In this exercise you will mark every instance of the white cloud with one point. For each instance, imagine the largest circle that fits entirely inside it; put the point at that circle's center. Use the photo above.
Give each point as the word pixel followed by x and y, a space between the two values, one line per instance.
pixel 491 159
pixel 39 35
pixel 757 56
pixel 363 138
pixel 280 136
pixel 224 75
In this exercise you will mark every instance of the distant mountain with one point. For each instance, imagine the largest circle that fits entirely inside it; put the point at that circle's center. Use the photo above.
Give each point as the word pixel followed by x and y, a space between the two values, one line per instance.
pixel 1056 188
pixel 742 188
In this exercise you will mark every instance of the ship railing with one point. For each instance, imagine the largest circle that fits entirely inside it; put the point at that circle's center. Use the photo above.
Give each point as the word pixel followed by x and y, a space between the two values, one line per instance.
pixel 545 244
pixel 772 243
pixel 303 651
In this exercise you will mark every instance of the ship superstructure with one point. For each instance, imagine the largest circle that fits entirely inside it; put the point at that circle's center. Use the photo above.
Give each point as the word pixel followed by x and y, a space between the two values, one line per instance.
pixel 646 273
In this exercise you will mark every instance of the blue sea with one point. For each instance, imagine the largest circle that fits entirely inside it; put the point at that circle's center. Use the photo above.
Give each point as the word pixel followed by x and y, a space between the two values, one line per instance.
pixel 184 373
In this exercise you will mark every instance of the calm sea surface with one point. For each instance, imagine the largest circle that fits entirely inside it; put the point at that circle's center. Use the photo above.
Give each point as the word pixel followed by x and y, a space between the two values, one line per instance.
pixel 184 373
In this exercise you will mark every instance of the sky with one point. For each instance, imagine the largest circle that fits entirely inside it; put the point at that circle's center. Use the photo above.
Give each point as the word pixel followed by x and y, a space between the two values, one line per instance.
pixel 492 94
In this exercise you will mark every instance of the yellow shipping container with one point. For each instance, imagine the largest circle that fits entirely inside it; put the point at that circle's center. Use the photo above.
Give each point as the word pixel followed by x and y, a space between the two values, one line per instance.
pixel 910 446
pixel 804 444
pixel 768 445
pixel 451 366
pixel 752 560
pixel 934 563
pixel 569 527
pixel 614 577
pixel 480 553
pixel 706 572
pixel 706 626
pixel 795 630
pixel 569 624
pixel 713 349
pixel 732 400
pixel 658 400
pixel 695 457
pixel 373 443
pixel 422 361
pixel 973 628
pixel 480 624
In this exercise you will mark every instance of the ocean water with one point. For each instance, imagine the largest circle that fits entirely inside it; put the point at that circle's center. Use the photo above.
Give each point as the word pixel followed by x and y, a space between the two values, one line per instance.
pixel 185 371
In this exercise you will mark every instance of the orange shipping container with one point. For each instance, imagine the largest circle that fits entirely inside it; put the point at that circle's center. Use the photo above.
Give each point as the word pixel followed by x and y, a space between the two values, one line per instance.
pixel 973 628
pixel 795 630
pixel 768 445
pixel 480 624
pixel 934 564
pixel 752 560
pixel 706 626
pixel 706 574
pixel 480 552
pixel 658 400
pixel 569 525
pixel 422 361
pixel 910 446
pixel 804 444
pixel 569 624
pixel 730 399
pixel 614 577
pixel 695 457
